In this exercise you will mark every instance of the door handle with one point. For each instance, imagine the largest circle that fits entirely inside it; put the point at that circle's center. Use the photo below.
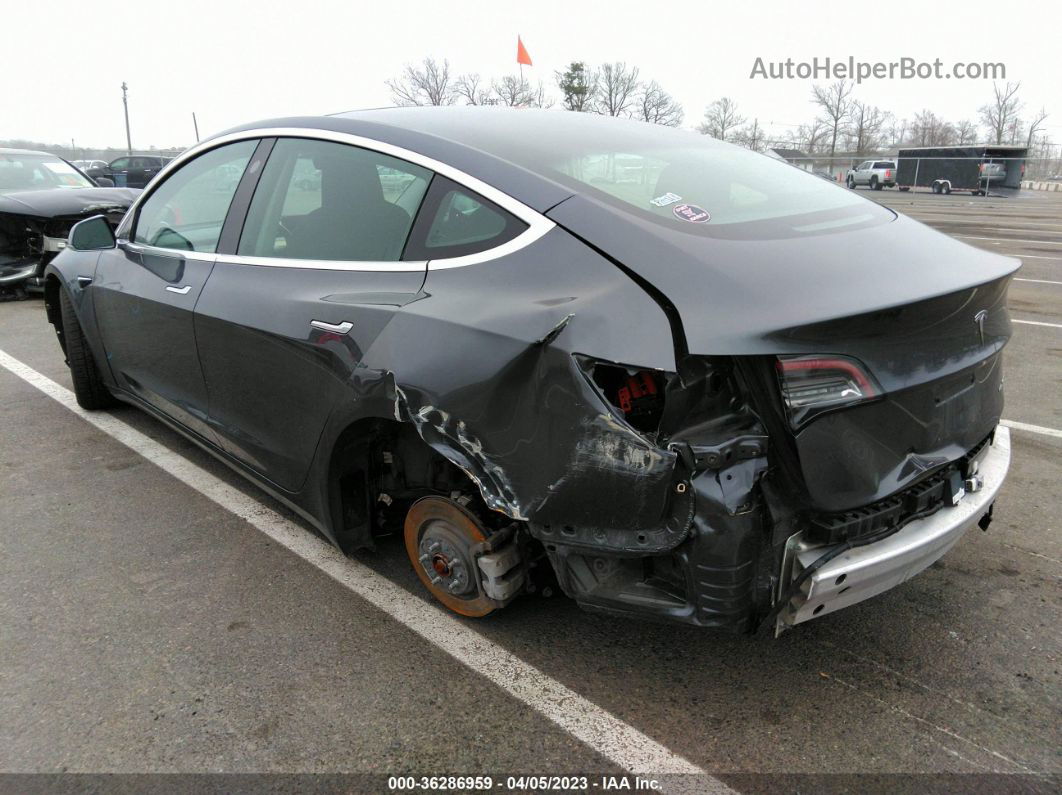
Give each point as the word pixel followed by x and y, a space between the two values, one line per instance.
pixel 336 328
pixel 179 290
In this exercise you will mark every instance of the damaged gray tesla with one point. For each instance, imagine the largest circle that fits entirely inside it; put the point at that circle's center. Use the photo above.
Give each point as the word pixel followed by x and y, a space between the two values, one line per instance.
pixel 684 380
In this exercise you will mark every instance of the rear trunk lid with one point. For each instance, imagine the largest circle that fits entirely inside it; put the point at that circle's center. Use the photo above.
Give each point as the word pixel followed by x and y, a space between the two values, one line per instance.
pixel 925 314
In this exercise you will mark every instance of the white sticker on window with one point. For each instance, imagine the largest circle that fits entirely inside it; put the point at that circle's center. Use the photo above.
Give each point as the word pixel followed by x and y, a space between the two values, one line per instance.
pixel 665 200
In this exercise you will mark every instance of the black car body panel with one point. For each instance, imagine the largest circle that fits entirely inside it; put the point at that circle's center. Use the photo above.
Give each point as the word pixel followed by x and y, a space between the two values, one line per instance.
pixel 322 383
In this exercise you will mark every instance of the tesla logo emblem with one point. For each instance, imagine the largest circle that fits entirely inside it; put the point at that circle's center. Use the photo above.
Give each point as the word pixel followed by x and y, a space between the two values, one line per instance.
pixel 979 319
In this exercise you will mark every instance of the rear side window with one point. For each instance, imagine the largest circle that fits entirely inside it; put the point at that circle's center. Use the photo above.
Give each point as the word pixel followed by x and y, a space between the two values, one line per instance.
pixel 456 222
pixel 320 200
pixel 187 211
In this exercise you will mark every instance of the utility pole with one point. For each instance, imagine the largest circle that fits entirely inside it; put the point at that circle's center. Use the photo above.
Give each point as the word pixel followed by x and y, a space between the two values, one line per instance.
pixel 125 104
pixel 196 125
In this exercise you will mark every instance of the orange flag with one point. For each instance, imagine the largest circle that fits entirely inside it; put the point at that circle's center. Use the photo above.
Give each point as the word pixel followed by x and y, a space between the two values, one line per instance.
pixel 521 53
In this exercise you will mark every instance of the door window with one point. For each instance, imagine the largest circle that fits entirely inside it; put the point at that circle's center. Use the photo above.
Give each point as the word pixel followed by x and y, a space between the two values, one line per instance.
pixel 457 222
pixel 187 211
pixel 319 200
pixel 120 163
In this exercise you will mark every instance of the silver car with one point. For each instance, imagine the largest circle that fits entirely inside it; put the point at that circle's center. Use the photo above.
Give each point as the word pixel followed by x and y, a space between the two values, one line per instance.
pixel 876 174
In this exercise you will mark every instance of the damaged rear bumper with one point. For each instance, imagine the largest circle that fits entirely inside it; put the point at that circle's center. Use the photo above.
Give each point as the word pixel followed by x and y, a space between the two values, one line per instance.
pixel 866 571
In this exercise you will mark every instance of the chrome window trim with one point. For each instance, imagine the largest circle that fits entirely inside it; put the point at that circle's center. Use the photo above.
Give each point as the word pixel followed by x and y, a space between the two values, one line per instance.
pixel 537 224
pixel 157 251
pixel 324 264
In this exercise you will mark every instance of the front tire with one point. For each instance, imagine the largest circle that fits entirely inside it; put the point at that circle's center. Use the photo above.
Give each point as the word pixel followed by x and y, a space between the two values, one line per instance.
pixel 851 182
pixel 89 389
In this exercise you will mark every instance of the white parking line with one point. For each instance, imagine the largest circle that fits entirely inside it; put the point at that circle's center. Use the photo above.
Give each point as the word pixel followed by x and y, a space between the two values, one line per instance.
pixel 1011 240
pixel 1037 281
pixel 1036 323
pixel 600 730
pixel 1024 426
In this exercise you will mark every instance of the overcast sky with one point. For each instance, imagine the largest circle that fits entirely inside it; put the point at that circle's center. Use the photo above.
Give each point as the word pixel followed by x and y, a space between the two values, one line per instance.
pixel 231 63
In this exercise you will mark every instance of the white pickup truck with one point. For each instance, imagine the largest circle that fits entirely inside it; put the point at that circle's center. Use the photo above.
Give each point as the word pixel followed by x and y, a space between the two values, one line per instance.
pixel 877 174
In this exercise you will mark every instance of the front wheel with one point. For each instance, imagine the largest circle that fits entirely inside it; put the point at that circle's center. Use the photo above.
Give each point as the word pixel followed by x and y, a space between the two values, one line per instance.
pixel 89 389
pixel 851 182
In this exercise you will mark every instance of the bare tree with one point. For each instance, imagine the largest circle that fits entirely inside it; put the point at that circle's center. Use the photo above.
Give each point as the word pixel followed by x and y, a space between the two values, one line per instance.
pixel 578 85
pixel 659 107
pixel 811 137
pixel 751 136
pixel 540 98
pixel 514 91
pixel 834 100
pixel 721 118
pixel 1035 125
pixel 965 132
pixel 897 133
pixel 865 123
pixel 928 129
pixel 426 84
pixel 1015 130
pixel 472 89
pixel 998 116
pixel 618 85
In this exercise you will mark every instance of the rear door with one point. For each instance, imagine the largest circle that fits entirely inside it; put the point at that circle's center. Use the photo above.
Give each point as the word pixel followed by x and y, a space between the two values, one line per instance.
pixel 300 292
pixel 146 288
pixel 144 170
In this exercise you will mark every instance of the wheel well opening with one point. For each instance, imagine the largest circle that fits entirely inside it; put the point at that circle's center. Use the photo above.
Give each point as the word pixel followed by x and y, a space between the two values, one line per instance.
pixel 51 308
pixel 380 467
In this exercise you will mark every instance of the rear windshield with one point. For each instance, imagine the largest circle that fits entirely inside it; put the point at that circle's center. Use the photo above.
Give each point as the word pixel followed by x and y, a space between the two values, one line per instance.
pixel 713 187
pixel 884 164
pixel 680 179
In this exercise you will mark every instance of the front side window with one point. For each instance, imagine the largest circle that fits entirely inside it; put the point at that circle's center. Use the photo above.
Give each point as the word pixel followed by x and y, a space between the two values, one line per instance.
pixel 319 200
pixel 187 211
pixel 121 162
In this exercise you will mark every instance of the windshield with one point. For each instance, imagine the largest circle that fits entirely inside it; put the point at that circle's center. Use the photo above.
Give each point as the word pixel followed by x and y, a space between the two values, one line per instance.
pixel 38 172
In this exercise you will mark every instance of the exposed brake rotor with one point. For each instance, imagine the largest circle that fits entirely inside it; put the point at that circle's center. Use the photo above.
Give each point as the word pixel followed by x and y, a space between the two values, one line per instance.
pixel 440 535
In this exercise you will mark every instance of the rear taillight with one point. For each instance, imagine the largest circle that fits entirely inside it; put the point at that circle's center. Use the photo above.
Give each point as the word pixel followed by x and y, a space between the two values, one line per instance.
pixel 812 384
pixel 888 173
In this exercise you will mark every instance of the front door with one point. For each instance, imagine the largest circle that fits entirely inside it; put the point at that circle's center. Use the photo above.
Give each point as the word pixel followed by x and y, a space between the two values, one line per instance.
pixel 145 289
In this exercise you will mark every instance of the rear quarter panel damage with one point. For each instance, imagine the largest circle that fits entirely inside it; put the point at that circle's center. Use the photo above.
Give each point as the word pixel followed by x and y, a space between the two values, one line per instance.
pixel 476 371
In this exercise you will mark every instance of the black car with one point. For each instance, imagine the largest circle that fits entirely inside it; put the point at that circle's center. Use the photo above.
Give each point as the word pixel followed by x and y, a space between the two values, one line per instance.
pixel 41 197
pixel 135 171
pixel 685 380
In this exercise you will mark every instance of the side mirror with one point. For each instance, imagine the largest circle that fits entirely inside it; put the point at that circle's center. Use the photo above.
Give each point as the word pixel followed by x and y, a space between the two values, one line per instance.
pixel 104 182
pixel 92 234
